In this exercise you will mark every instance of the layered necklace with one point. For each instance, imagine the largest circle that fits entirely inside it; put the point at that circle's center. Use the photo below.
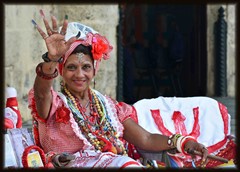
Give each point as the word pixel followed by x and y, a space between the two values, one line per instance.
pixel 95 126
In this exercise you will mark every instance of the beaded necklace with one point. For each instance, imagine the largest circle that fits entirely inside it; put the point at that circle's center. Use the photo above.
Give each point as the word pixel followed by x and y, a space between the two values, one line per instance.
pixel 96 126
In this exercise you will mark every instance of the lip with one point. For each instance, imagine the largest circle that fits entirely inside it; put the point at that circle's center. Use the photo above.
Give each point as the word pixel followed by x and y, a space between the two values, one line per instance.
pixel 79 82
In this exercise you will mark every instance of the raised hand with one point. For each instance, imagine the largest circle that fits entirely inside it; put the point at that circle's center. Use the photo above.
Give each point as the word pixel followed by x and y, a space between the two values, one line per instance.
pixel 55 42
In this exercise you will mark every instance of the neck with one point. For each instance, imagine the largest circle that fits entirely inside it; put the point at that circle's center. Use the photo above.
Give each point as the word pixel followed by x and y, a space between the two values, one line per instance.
pixel 81 97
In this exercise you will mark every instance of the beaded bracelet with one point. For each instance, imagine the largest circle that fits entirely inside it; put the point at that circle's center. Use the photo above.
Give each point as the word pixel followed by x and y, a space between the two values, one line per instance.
pixel 172 140
pixel 41 74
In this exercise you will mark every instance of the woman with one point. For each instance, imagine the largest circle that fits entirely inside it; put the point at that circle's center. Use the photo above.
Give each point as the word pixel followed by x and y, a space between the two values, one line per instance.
pixel 79 127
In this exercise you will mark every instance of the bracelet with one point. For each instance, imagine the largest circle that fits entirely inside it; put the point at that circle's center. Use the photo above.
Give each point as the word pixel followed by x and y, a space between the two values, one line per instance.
pixel 172 140
pixel 179 141
pixel 41 74
pixel 49 156
pixel 184 141
pixel 47 59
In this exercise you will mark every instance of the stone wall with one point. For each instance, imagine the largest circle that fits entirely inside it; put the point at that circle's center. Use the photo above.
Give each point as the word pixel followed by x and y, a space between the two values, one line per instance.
pixel 24 45
pixel 230 18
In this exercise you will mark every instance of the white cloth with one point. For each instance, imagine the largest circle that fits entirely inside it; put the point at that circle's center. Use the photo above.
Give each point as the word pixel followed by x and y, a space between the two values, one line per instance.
pixel 12 115
pixel 97 159
pixel 214 124
pixel 75 27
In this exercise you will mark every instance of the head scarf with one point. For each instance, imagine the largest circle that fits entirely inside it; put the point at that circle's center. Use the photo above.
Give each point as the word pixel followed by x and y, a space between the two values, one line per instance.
pixel 100 45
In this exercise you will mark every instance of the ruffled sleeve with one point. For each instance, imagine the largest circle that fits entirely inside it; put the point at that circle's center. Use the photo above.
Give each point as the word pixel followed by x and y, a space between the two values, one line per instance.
pixel 125 111
pixel 32 105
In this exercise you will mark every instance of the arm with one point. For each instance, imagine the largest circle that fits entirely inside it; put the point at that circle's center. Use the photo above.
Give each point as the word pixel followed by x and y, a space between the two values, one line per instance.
pixel 42 90
pixel 142 139
pixel 57 47
pixel 138 136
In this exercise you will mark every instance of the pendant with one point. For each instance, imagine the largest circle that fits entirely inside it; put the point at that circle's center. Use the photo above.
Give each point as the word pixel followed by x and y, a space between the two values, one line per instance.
pixel 107 146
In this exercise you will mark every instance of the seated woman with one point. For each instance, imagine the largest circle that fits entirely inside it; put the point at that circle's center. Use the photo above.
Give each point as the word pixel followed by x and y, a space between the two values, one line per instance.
pixel 80 127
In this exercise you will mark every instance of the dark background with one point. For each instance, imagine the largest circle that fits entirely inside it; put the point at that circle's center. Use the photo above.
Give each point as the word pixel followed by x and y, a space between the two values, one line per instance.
pixel 147 40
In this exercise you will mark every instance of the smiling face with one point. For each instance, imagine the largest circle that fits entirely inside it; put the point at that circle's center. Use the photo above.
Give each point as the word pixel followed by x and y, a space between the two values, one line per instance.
pixel 78 73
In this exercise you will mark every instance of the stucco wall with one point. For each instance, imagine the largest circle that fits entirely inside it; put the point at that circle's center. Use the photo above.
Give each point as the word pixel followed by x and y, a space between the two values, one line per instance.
pixel 24 45
pixel 230 18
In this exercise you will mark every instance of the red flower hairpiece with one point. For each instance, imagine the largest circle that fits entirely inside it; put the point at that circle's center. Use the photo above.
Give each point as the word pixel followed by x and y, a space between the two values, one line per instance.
pixel 100 47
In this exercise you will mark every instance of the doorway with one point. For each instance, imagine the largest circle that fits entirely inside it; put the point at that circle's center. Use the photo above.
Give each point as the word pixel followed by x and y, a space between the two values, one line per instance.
pixel 161 51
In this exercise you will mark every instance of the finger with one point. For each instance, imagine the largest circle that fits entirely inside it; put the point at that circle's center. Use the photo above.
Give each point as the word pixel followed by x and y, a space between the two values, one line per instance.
pixel 49 30
pixel 54 24
pixel 42 13
pixel 204 155
pixel 64 27
pixel 70 41
pixel 42 33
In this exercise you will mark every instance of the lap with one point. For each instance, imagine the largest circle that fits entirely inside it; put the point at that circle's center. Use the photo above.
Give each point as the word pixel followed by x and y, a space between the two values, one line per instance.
pixel 92 159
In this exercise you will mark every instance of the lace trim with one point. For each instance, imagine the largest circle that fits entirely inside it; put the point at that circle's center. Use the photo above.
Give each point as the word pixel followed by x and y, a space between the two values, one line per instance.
pixel 112 112
pixel 75 127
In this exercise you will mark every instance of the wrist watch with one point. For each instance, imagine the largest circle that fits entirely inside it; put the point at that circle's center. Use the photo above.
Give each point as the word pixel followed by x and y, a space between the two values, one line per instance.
pixel 47 59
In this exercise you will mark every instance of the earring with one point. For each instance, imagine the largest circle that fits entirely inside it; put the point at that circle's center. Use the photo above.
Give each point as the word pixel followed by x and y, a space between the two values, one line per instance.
pixel 62 84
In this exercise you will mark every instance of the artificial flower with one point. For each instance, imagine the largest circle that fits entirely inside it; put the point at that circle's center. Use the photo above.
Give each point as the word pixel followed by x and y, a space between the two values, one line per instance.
pixel 62 115
pixel 99 48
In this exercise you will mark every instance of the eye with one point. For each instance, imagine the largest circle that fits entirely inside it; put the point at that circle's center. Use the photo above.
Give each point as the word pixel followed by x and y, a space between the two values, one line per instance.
pixel 71 67
pixel 87 67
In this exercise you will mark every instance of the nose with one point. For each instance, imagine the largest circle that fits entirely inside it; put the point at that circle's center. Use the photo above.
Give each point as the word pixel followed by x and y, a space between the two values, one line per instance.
pixel 79 72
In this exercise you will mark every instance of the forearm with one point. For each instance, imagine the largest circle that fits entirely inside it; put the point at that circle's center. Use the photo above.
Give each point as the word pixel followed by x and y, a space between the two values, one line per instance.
pixel 42 88
pixel 144 140
pixel 156 143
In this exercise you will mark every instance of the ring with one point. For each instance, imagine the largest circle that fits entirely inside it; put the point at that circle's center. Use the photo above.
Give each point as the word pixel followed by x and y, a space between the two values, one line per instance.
pixel 204 148
pixel 45 37
pixel 55 30
pixel 62 33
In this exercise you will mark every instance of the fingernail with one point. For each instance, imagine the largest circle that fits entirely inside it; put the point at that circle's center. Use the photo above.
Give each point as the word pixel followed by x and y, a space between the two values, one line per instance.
pixel 34 23
pixel 66 17
pixel 42 13
pixel 78 35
